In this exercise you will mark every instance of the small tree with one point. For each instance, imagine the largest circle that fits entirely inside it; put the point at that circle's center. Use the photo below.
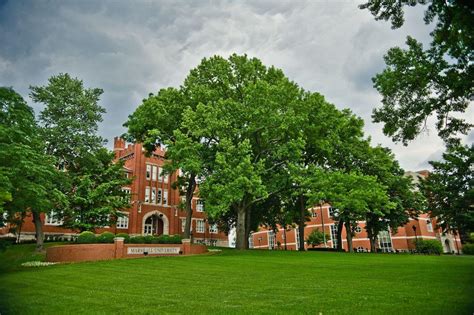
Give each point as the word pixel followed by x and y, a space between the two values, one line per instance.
pixel 315 238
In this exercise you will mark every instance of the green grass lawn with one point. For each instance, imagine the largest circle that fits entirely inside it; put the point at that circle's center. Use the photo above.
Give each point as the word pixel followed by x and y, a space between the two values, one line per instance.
pixel 243 282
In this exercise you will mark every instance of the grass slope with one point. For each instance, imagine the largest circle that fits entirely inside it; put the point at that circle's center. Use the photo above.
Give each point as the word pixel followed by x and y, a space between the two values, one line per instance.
pixel 246 282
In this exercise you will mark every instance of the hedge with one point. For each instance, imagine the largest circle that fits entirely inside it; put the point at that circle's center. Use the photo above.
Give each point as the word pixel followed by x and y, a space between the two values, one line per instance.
pixel 429 247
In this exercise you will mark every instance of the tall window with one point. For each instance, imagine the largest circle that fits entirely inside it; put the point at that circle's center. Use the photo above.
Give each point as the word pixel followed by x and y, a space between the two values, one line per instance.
pixel 334 235
pixel 153 172
pixel 385 242
pixel 250 241
pixel 52 219
pixel 200 228
pixel 165 178
pixel 183 224
pixel 200 205
pixel 127 192
pixel 159 174
pixel 147 194
pixel 429 226
pixel 122 222
pixel 271 239
pixel 153 194
pixel 165 196
pixel 213 228
pixel 158 197
pixel 148 171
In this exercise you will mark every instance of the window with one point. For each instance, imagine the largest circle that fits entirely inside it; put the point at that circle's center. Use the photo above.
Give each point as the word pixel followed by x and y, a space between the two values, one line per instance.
pixel 127 192
pixel 361 249
pixel 213 228
pixel 429 226
pixel 153 172
pixel 334 235
pixel 147 194
pixel 159 174
pixel 358 229
pixel 165 196
pixel 250 241
pixel 122 222
pixel 333 212
pixel 183 224
pixel 52 219
pixel 148 171
pixel 200 226
pixel 385 242
pixel 148 229
pixel 165 178
pixel 158 197
pixel 314 214
pixel 153 195
pixel 271 239
pixel 200 205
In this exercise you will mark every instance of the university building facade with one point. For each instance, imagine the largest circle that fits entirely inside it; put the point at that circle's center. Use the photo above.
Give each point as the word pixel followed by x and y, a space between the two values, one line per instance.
pixel 155 207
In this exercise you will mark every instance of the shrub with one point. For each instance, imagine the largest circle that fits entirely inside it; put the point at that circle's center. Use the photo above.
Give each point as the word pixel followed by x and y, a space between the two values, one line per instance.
pixel 137 240
pixel 125 236
pixel 315 238
pixel 169 239
pixel 148 239
pixel 468 249
pixel 86 237
pixel 6 242
pixel 106 237
pixel 429 247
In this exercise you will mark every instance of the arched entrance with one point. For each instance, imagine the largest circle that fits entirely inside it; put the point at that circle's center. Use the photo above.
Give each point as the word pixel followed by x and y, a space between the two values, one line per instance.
pixel 155 223
pixel 448 246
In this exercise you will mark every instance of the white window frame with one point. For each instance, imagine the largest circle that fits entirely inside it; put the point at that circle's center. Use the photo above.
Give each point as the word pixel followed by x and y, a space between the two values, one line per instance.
pixel 148 172
pixel 159 196
pixel 154 169
pixel 200 226
pixel 128 192
pixel 429 225
pixel 165 178
pixel 358 229
pixel 122 222
pixel 160 178
pixel 153 194
pixel 165 197
pixel 213 229
pixel 200 205
pixel 271 239
pixel 50 219
pixel 147 194
pixel 334 235
pixel 183 224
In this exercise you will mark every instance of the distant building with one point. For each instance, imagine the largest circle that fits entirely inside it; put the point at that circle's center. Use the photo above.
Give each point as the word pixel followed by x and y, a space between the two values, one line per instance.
pixel 401 239
pixel 155 205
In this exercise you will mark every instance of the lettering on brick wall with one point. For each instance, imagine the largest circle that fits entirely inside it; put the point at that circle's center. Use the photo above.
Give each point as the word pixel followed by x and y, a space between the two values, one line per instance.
pixel 153 250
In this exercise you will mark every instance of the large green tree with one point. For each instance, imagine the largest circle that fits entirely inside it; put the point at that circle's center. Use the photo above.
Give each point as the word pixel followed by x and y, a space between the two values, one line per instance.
pixel 91 181
pixel 417 82
pixel 28 176
pixel 449 190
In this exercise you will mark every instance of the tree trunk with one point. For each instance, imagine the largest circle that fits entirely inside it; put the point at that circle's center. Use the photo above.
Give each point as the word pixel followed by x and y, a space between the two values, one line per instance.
pixel 240 242
pixel 340 225
pixel 189 209
pixel 349 236
pixel 248 222
pixel 302 222
pixel 373 244
pixel 38 231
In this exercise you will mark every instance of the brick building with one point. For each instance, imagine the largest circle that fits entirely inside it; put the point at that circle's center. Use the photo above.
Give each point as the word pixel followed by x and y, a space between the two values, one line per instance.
pixel 154 204
pixel 388 241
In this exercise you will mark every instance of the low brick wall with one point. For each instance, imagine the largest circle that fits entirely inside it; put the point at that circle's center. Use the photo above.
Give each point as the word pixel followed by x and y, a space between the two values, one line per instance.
pixel 92 252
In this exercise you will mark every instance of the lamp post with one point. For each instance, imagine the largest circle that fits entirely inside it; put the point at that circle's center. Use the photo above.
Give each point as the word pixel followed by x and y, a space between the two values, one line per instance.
pixel 322 223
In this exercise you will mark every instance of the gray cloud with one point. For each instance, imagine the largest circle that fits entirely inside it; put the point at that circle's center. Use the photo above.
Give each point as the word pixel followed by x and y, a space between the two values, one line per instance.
pixel 133 48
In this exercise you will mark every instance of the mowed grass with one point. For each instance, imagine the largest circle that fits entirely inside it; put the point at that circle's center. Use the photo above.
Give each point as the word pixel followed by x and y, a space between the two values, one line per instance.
pixel 249 282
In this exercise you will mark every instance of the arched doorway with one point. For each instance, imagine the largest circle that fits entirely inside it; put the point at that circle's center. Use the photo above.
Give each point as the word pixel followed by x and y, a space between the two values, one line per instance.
pixel 155 223
pixel 448 246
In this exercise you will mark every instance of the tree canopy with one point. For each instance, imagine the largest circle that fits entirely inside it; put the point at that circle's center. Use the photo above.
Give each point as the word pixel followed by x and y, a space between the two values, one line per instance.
pixel 417 82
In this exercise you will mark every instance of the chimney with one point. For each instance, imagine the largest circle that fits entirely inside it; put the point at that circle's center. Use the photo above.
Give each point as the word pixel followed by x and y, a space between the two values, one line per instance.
pixel 119 145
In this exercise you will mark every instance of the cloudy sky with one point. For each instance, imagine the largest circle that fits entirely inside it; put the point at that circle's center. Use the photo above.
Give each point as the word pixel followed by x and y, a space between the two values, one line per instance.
pixel 130 49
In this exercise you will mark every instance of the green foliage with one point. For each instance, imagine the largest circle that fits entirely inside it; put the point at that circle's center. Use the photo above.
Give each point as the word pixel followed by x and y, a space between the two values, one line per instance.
pixel 125 236
pixel 106 237
pixel 468 249
pixel 429 247
pixel 316 237
pixel 28 178
pixel 137 240
pixel 450 190
pixel 419 83
pixel 86 237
